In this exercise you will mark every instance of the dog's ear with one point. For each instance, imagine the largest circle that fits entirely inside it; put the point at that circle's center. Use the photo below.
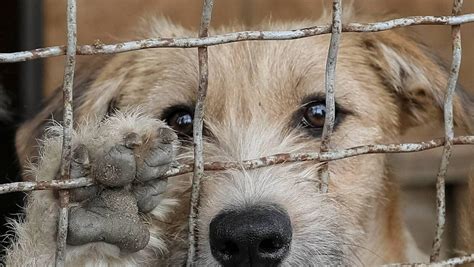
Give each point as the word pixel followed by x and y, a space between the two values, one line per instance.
pixel 417 78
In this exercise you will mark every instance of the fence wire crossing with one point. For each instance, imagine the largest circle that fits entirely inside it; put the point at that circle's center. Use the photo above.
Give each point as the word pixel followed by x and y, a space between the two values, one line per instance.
pixel 199 166
pixel 197 131
pixel 66 155
pixel 449 134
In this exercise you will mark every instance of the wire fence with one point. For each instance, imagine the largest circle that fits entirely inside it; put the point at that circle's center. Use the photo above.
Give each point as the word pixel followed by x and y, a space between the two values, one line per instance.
pixel 336 28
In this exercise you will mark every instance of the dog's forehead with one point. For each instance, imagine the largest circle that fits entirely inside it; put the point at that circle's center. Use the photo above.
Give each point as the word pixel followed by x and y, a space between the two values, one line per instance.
pixel 271 78
pixel 281 71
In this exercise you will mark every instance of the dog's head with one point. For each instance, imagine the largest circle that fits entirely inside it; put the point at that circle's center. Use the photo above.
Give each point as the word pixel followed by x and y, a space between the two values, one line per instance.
pixel 268 97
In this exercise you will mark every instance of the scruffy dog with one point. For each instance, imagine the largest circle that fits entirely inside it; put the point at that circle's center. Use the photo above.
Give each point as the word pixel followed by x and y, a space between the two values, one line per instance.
pixel 134 115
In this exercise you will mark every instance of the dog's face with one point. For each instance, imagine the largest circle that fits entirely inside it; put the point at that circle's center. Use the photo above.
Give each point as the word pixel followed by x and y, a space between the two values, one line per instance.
pixel 266 98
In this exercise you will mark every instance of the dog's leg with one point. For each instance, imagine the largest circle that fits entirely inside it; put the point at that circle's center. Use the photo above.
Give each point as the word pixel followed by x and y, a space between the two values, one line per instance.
pixel 126 154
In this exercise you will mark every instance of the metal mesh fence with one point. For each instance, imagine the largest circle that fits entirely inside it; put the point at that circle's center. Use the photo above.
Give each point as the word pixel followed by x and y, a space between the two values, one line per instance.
pixel 325 155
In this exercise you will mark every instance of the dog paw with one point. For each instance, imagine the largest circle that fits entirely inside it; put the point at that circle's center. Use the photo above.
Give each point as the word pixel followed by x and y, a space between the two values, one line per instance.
pixel 128 164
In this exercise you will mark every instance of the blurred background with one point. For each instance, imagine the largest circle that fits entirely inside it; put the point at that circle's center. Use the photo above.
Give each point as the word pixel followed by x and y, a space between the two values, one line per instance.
pixel 27 24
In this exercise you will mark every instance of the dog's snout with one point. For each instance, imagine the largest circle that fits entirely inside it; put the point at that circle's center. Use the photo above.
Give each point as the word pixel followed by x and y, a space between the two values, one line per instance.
pixel 259 235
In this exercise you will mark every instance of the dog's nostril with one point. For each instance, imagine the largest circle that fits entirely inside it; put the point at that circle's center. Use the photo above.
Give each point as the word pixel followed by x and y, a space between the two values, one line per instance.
pixel 270 246
pixel 229 249
pixel 258 235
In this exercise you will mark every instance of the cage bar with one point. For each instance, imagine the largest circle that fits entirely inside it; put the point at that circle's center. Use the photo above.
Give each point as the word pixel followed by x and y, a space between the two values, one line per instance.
pixel 266 161
pixel 67 131
pixel 330 83
pixel 197 131
pixel 190 42
pixel 449 135
pixel 449 262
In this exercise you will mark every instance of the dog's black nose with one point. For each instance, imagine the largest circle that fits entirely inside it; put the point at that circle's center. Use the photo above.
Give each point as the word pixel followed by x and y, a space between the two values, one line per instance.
pixel 255 236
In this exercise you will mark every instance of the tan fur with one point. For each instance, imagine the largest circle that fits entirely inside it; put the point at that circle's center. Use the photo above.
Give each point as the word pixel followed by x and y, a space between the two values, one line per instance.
pixel 386 82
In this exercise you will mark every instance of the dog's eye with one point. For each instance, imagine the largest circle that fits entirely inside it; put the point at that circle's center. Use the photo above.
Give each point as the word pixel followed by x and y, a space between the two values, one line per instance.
pixel 314 115
pixel 180 120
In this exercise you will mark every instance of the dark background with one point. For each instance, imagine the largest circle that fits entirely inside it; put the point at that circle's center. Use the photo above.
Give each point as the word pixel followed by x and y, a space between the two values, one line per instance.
pixel 21 84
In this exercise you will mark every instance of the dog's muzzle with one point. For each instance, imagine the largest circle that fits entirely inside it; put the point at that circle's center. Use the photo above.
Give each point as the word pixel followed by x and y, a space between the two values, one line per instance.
pixel 254 236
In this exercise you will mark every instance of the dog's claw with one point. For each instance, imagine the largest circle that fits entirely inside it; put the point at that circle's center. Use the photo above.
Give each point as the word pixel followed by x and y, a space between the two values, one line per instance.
pixel 132 140
pixel 117 168
pixel 149 194
pixel 80 167
pixel 166 136
pixel 159 158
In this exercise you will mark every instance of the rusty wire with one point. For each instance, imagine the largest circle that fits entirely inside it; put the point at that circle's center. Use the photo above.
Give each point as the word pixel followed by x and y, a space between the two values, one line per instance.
pixel 188 42
pixel 199 166
pixel 66 153
pixel 330 83
pixel 449 262
pixel 197 131
pixel 449 135
pixel 267 161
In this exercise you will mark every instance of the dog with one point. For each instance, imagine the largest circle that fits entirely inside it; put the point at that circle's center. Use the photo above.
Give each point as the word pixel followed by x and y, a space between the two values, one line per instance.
pixel 134 113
